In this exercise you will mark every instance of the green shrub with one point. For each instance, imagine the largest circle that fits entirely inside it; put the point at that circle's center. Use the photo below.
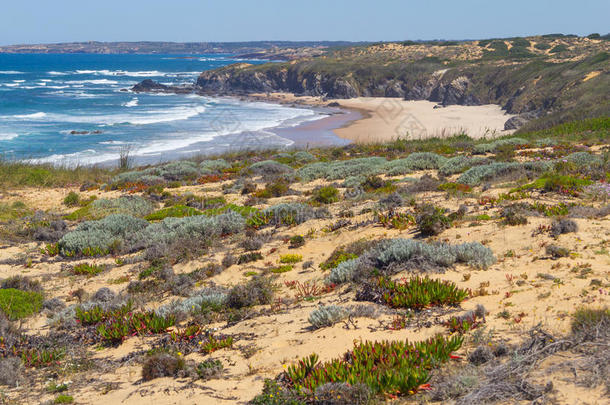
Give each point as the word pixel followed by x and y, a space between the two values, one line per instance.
pixel 162 365
pixel 176 211
pixel 135 206
pixel 297 241
pixel 326 195
pixel 257 291
pixel 18 304
pixel 282 214
pixel 556 183
pixel 275 189
pixel 72 199
pixel 290 259
pixel 587 320
pixel 86 269
pixel 63 399
pixel 559 48
pixel 22 283
pixel 432 220
pixel 419 293
pixel 208 369
pixel 282 269
pixel 249 257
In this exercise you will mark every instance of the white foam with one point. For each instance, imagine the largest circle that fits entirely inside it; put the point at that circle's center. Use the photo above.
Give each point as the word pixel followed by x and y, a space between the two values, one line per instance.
pixel 94 81
pixel 10 72
pixel 132 103
pixel 33 116
pixel 11 84
pixel 53 73
pixel 136 118
pixel 8 136
pixel 18 81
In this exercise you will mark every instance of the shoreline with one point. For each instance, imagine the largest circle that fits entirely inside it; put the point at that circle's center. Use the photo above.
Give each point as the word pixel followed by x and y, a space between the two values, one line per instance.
pixel 384 119
pixel 341 122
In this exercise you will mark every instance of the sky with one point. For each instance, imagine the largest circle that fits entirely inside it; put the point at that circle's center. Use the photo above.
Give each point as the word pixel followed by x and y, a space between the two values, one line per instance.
pixel 45 21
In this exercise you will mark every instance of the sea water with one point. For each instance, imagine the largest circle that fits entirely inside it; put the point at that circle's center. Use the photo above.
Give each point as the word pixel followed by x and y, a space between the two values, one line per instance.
pixel 77 109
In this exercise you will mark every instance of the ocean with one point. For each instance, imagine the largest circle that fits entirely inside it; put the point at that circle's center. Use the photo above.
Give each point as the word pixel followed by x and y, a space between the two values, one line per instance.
pixel 76 109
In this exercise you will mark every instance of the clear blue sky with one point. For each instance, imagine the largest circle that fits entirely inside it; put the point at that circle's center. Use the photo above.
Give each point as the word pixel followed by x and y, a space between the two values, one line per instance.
pixel 44 21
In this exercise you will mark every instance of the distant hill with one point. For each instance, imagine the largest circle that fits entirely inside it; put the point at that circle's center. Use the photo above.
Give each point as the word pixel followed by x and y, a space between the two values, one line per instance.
pixel 257 49
pixel 546 79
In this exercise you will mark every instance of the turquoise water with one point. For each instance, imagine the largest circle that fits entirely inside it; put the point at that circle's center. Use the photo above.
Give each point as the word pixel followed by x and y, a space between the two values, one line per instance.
pixel 75 109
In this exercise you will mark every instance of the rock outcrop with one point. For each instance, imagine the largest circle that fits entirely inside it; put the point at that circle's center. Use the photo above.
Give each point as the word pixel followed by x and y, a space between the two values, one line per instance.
pixel 150 86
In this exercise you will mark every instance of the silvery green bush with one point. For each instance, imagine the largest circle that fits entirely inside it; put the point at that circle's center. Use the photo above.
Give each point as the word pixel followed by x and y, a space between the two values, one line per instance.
pixel 327 316
pixel 201 228
pixel 343 169
pixel 395 255
pixel 288 214
pixel 304 157
pixel 213 166
pixel 344 272
pixel 460 163
pixel 477 174
pixel 101 234
pixel 270 168
pixel 415 161
pixel 583 159
pixel 492 146
pixel 128 205
pixel 174 171
pixel 207 297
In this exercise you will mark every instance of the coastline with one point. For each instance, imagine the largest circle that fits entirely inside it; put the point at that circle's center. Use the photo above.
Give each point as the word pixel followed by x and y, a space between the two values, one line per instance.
pixel 318 132
pixel 384 119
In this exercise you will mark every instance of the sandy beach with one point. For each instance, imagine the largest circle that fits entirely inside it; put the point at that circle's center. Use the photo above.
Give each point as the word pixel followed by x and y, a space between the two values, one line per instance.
pixel 384 119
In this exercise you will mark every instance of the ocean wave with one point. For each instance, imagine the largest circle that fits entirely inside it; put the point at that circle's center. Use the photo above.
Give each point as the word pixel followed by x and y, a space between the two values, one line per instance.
pixel 54 73
pixel 132 103
pixel 136 118
pixel 89 156
pixel 10 72
pixel 8 136
pixel 12 84
pixel 93 81
pixel 18 81
pixel 33 116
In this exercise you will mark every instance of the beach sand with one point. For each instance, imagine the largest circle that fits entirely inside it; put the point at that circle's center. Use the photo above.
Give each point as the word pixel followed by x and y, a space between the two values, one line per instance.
pixel 384 119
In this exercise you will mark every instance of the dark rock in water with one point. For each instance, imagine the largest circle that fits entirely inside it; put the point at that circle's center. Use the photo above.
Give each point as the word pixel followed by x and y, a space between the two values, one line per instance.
pixel 438 106
pixel 150 86
pixel 333 104
pixel 97 131
pixel 79 132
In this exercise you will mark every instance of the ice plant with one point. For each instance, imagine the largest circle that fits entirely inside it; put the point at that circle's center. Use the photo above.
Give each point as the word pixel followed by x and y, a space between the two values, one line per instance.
pixel 419 293
pixel 390 368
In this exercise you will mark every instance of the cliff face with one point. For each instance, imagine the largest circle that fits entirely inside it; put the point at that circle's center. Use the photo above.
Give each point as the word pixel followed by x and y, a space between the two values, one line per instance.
pixel 569 90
